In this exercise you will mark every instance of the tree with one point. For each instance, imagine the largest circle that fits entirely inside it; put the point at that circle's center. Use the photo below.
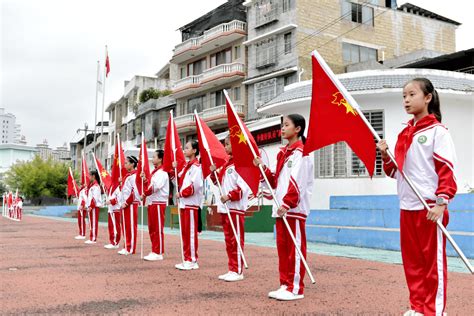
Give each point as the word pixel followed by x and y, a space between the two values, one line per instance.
pixel 150 93
pixel 39 178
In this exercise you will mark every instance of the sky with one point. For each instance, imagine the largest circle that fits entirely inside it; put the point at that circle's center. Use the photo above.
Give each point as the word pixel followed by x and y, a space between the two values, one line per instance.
pixel 49 51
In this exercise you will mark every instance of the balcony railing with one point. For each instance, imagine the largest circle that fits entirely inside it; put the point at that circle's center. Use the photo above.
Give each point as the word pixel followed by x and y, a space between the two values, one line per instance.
pixel 206 114
pixel 195 42
pixel 209 75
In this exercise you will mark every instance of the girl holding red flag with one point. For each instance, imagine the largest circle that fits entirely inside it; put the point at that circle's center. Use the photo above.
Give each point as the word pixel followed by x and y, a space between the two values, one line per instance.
pixel 81 208
pixel 236 194
pixel 293 184
pixel 425 152
pixel 94 202
pixel 130 200
pixel 190 197
pixel 156 194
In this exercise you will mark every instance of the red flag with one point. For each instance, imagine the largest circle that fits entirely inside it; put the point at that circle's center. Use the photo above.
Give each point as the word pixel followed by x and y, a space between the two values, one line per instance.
pixel 85 178
pixel 71 185
pixel 209 147
pixel 334 117
pixel 10 199
pixel 244 148
pixel 173 148
pixel 143 166
pixel 107 62
pixel 103 174
pixel 118 169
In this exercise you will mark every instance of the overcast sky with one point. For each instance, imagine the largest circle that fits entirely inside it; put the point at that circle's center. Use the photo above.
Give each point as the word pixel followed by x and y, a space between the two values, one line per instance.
pixel 49 52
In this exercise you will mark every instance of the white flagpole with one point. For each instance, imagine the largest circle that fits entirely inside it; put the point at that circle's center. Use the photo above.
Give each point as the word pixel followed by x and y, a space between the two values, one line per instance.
pixel 75 189
pixel 355 105
pixel 96 101
pixel 119 144
pixel 206 147
pixel 103 103
pixel 290 232
pixel 143 190
pixel 173 148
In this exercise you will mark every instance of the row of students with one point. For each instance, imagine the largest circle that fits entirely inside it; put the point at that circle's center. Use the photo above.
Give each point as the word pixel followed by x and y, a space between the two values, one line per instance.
pixel 15 209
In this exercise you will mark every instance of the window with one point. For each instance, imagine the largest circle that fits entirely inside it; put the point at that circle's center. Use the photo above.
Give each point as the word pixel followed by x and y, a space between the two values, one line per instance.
pixel 338 160
pixel 286 5
pixel 266 11
pixel 290 79
pixel 265 91
pixel 358 13
pixel 217 98
pixel 236 52
pixel 197 67
pixel 352 53
pixel 182 72
pixel 266 53
pixel 195 104
pixel 222 57
pixel 237 96
pixel 287 39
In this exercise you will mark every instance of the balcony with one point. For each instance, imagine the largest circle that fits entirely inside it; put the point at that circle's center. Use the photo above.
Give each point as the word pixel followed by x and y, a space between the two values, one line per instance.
pixel 219 75
pixel 219 35
pixel 216 116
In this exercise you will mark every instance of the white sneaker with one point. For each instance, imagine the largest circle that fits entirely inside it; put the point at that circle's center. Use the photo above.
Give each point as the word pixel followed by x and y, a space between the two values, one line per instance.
pixel 80 237
pixel 90 242
pixel 123 252
pixel 288 296
pixel 273 294
pixel 223 276
pixel 234 276
pixel 187 265
pixel 110 246
pixel 412 312
pixel 153 257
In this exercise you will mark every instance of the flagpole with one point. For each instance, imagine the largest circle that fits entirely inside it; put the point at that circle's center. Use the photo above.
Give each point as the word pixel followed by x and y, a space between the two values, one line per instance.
pixel 173 148
pixel 143 190
pixel 290 232
pixel 96 101
pixel 206 147
pixel 103 102
pixel 352 101
pixel 75 189
pixel 100 176
pixel 119 144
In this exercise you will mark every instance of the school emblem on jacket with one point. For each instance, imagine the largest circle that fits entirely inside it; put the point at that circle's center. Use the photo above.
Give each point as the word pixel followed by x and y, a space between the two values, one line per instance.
pixel 229 171
pixel 422 139
pixel 290 163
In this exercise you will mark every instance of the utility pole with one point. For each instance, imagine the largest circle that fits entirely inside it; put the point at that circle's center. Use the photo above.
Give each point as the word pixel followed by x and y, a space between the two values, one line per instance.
pixel 85 137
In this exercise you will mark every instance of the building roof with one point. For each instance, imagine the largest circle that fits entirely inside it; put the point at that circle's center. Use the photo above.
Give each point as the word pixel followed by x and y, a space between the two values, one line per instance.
pixel 18 147
pixel 372 80
pixel 411 8
pixel 462 61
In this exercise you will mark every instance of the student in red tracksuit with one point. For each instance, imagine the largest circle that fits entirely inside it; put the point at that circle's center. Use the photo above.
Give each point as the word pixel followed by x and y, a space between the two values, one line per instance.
pixel 81 210
pixel 94 202
pixel 235 195
pixel 130 200
pixel 190 184
pixel 156 194
pixel 293 184
pixel 19 207
pixel 425 152
pixel 114 214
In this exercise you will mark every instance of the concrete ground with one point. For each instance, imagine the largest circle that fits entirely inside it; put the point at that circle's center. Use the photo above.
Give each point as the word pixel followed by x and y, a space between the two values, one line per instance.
pixel 44 270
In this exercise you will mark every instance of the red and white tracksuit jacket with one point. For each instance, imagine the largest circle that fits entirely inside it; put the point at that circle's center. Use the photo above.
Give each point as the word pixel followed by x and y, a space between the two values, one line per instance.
pixel 94 202
pixel 19 209
pixel 131 199
pixel 81 211
pixel 114 214
pixel 293 184
pixel 425 152
pixel 238 192
pixel 190 183
pixel 157 194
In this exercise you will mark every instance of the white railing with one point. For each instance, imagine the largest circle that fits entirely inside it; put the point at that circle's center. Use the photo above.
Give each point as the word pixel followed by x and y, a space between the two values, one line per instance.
pixel 209 73
pixel 207 113
pixel 213 32
pixel 184 119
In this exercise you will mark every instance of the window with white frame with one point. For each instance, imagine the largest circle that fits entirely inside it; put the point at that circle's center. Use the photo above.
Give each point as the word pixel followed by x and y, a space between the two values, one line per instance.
pixel 266 52
pixel 265 91
pixel 352 53
pixel 357 12
pixel 237 52
pixel 237 96
pixel 339 161
pixel 196 104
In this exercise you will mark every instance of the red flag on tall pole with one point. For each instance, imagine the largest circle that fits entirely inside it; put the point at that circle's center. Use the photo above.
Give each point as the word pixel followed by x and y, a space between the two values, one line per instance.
pixel 244 148
pixel 143 166
pixel 335 116
pixel 85 178
pixel 209 147
pixel 105 178
pixel 71 185
pixel 107 62
pixel 118 169
pixel 173 148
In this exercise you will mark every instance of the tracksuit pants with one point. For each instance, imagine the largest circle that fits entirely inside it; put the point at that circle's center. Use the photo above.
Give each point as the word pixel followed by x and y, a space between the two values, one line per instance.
pixel 235 259
pixel 156 224
pixel 189 232
pixel 291 267
pixel 423 248
pixel 114 227
pixel 81 222
pixel 93 223
pixel 130 219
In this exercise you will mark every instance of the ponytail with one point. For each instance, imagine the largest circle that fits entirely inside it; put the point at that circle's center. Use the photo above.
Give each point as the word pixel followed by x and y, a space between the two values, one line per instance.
pixel 434 107
pixel 299 121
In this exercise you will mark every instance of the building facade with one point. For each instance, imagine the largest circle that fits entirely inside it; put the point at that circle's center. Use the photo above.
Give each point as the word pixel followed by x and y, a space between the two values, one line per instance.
pixel 10 130
pixel 13 153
